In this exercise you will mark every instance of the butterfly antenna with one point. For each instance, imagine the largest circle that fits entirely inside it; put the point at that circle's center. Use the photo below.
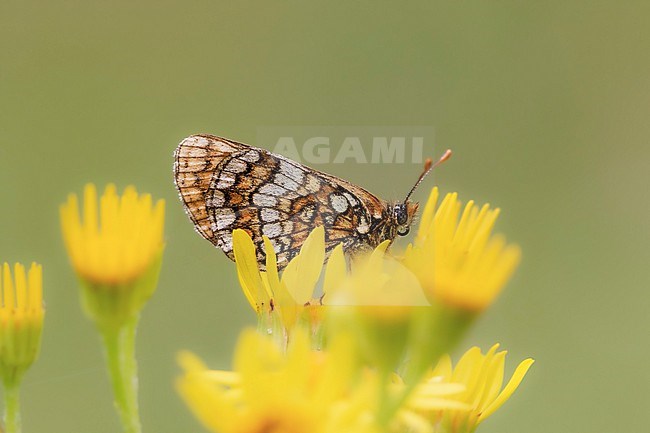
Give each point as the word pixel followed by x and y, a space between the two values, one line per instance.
pixel 428 166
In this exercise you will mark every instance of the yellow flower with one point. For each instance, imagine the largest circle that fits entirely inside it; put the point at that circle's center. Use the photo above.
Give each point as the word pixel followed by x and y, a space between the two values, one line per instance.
pixel 377 301
pixel 292 293
pixel 380 286
pixel 120 242
pixel 21 319
pixel 302 391
pixel 116 249
pixel 482 377
pixel 455 256
pixel 392 306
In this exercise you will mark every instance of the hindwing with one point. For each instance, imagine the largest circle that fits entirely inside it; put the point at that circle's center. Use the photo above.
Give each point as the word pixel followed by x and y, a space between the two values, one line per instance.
pixel 225 185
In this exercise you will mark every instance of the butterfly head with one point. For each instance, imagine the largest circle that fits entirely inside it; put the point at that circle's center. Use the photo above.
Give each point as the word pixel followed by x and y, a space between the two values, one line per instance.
pixel 403 215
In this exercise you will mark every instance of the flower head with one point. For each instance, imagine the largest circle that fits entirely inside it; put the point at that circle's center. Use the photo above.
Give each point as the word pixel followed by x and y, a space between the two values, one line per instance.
pixel 117 241
pixel 420 304
pixel 455 256
pixel 482 378
pixel 21 319
pixel 116 250
pixel 302 391
pixel 377 301
pixel 292 293
pixel 376 309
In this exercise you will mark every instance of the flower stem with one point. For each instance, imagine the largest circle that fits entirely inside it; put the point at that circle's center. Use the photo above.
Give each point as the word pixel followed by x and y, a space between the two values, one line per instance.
pixel 119 343
pixel 12 407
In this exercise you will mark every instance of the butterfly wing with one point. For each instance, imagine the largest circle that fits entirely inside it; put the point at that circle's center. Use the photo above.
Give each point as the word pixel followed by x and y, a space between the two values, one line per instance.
pixel 225 185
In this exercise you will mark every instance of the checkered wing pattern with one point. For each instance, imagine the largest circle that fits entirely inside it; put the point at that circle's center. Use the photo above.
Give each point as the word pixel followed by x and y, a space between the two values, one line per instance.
pixel 225 185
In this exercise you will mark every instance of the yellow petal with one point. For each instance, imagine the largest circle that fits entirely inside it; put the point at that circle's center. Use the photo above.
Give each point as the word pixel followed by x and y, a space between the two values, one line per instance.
pixel 427 216
pixel 433 388
pixel 207 402
pixel 443 369
pixel 271 266
pixel 247 270
pixel 510 388
pixel 467 365
pixel 9 293
pixel 35 282
pixel 438 403
pixel 189 361
pixel 335 271
pixel 21 287
pixel 303 272
pixel 228 378
pixel 494 380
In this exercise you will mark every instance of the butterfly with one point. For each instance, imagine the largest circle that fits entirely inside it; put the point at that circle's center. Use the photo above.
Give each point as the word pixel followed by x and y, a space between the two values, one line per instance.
pixel 225 185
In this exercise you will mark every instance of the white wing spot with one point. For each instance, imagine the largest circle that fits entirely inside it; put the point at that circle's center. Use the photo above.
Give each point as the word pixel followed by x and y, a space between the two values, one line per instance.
pixel 217 199
pixel 353 201
pixel 339 203
pixel 251 156
pixel 263 200
pixel 225 243
pixel 270 215
pixel 272 230
pixel 285 182
pixel 272 189
pixel 292 171
pixel 363 226
pixel 226 180
pixel 224 216
pixel 236 166
pixel 313 184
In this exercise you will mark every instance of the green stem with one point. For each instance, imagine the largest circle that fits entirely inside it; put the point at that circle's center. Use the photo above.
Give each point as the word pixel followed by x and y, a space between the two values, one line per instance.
pixel 119 344
pixel 12 407
pixel 386 401
pixel 436 330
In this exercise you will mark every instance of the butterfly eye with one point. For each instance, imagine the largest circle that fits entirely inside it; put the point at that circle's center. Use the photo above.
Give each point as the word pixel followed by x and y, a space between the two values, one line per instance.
pixel 400 214
pixel 403 231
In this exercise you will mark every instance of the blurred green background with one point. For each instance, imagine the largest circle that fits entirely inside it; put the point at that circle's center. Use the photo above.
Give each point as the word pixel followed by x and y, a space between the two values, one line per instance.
pixel 546 105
